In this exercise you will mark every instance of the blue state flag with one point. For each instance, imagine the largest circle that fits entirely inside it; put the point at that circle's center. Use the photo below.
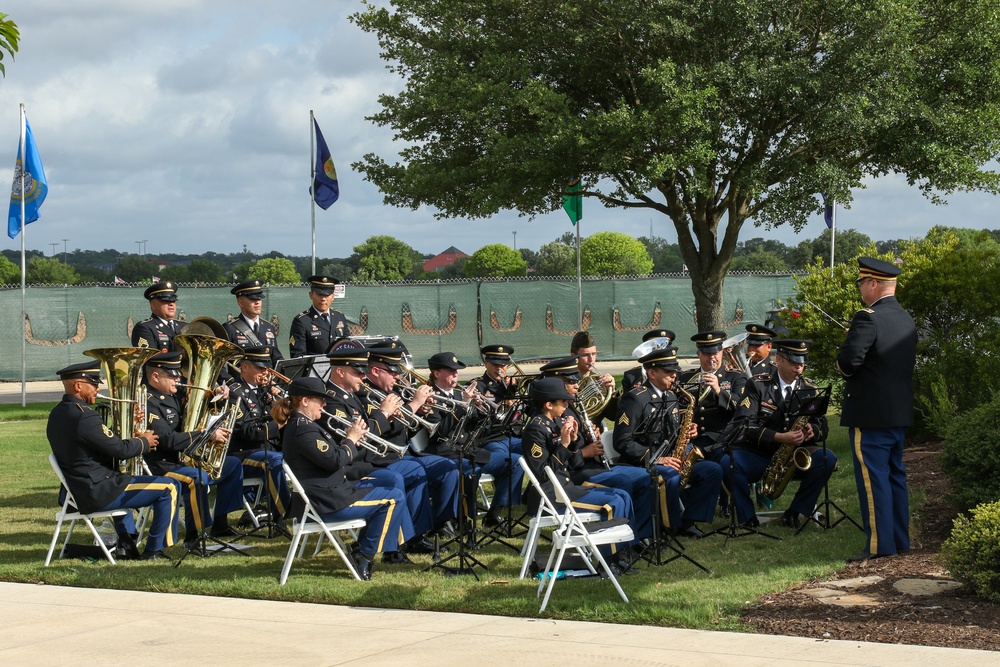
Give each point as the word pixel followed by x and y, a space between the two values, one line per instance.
pixel 828 205
pixel 325 189
pixel 35 185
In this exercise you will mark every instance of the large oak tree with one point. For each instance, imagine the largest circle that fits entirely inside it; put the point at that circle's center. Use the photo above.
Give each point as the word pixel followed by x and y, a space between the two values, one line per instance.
pixel 711 112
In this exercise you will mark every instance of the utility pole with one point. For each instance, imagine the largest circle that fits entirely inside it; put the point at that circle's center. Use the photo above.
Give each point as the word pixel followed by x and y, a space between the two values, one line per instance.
pixel 64 249
pixel 515 239
pixel 53 248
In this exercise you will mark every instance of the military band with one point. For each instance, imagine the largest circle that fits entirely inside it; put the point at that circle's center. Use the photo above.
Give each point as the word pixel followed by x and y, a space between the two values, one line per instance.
pixel 674 450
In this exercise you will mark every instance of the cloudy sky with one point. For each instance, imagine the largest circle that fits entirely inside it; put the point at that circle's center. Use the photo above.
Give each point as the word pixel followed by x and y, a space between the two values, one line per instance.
pixel 185 123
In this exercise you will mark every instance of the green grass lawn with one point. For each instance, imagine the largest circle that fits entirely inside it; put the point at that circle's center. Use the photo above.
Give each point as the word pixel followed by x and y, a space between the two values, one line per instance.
pixel 676 594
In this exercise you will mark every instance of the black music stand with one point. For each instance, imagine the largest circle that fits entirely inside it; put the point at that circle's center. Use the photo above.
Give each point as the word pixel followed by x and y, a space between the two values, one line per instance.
pixel 816 406
pixel 316 365
pixel 466 562
pixel 505 528
pixel 733 528
pixel 271 527
pixel 653 553
pixel 200 546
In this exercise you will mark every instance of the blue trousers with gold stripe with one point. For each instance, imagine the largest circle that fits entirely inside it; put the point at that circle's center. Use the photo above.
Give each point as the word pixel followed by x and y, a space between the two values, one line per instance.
pixel 163 495
pixel 611 504
pixel 635 482
pixel 751 466
pixel 253 466
pixel 881 479
pixel 229 490
pixel 383 509
pixel 442 480
pixel 387 478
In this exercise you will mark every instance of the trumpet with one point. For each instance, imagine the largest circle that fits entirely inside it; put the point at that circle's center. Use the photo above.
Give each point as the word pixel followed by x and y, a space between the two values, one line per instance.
pixel 408 417
pixel 370 441
pixel 215 397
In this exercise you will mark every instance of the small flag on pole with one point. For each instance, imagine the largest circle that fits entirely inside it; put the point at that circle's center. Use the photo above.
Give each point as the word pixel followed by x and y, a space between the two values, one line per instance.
pixel 573 204
pixel 156 279
pixel 35 186
pixel 828 213
pixel 119 281
pixel 325 189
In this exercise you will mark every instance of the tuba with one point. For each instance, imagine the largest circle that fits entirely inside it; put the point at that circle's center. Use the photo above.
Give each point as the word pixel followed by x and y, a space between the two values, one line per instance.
pixel 122 366
pixel 206 357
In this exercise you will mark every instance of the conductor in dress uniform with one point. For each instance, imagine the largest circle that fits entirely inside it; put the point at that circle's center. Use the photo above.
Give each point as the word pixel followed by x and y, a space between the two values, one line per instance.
pixel 159 329
pixel 249 329
pixel 86 451
pixel 877 359
pixel 315 329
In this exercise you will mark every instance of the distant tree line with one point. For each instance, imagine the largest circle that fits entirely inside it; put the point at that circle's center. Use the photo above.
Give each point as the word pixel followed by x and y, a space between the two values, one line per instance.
pixel 386 259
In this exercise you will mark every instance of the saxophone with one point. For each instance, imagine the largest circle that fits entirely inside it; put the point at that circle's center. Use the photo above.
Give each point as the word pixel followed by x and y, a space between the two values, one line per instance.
pixel 784 463
pixel 692 456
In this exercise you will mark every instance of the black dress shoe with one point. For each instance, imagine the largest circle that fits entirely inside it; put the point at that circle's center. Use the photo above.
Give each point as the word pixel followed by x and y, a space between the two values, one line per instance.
pixel 154 555
pixel 752 522
pixel 222 532
pixel 420 545
pixel 691 530
pixel 790 519
pixel 396 558
pixel 446 531
pixel 363 564
pixel 127 550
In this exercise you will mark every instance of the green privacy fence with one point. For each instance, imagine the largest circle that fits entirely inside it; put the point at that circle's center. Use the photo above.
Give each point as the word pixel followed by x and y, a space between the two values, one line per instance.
pixel 536 317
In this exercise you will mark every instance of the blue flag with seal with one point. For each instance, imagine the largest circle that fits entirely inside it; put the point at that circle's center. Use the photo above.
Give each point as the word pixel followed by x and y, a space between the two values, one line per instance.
pixel 828 212
pixel 325 189
pixel 35 185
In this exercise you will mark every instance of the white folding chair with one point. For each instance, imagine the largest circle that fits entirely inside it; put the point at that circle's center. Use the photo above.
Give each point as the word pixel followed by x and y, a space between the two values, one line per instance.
pixel 608 440
pixel 256 484
pixel 484 497
pixel 547 516
pixel 572 532
pixel 311 523
pixel 65 514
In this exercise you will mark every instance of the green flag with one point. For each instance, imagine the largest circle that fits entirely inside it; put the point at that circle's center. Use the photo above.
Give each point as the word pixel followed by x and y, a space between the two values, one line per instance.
pixel 573 204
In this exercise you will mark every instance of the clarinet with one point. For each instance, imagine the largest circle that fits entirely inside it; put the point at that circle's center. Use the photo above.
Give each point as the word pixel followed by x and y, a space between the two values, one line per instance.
pixel 590 431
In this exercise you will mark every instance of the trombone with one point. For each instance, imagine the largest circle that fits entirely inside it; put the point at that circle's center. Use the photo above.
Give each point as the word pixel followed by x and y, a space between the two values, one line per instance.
pixel 370 441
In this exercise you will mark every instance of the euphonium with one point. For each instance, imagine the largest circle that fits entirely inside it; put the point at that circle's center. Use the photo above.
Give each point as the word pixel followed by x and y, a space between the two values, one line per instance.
pixel 122 366
pixel 784 463
pixel 206 356
pixel 211 456
pixel 688 457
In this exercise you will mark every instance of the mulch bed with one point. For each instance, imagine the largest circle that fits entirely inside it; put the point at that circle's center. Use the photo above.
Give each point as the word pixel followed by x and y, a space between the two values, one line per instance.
pixel 955 619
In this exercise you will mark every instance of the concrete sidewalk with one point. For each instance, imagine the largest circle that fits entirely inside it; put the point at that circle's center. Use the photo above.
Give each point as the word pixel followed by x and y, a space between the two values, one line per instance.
pixel 54 625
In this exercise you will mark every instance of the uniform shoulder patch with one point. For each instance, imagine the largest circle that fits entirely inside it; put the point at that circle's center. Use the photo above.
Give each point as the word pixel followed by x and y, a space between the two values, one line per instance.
pixel 322 445
pixel 866 310
pixel 623 420
pixel 745 402
pixel 143 342
pixel 536 451
pixel 107 431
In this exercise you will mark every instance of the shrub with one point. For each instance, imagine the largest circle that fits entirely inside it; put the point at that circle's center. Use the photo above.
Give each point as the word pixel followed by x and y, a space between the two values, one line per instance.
pixel 971 458
pixel 972 553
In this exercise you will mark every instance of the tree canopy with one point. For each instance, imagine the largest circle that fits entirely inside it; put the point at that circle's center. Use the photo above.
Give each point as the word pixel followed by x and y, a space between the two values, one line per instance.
pixel 384 258
pixel 9 38
pixel 49 271
pixel 704 111
pixel 10 272
pixel 614 254
pixel 495 261
pixel 556 259
pixel 275 271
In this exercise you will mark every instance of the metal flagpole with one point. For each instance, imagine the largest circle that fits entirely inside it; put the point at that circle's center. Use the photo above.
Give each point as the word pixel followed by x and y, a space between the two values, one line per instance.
pixel 579 280
pixel 833 230
pixel 24 311
pixel 312 185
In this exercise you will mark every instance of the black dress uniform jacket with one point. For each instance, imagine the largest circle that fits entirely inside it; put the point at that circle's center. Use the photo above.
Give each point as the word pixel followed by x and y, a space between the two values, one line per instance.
pixel 164 415
pixel 348 406
pixel 632 378
pixel 319 464
pixel 543 447
pixel 155 333
pixel 767 414
pixel 267 335
pixel 253 426
pixel 388 429
pixel 86 451
pixel 442 443
pixel 644 422
pixel 878 359
pixel 714 413
pixel 311 334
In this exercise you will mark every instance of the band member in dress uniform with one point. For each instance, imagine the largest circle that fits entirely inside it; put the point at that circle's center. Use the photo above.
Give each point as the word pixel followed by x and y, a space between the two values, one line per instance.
pixel 546 440
pixel 769 405
pixel 256 440
pixel 759 346
pixel 159 330
pixel 86 451
pixel 315 329
pixel 431 482
pixel 497 387
pixel 249 329
pixel 507 474
pixel 319 463
pixel 877 359
pixel 348 364
pixel 634 377
pixel 588 463
pixel 165 414
pixel 650 416
pixel 713 393
pixel 584 347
